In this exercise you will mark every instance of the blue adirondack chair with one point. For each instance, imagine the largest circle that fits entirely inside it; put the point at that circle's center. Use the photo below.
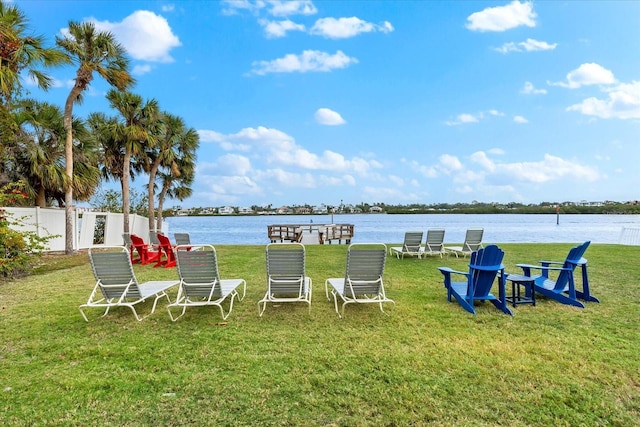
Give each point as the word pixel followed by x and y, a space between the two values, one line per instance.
pixel 484 266
pixel 563 289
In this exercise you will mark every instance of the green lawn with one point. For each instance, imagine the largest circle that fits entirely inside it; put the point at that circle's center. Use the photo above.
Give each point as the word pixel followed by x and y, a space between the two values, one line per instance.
pixel 428 363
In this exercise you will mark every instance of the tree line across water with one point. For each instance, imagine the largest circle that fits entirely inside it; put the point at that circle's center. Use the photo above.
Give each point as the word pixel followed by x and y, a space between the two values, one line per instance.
pixel 437 208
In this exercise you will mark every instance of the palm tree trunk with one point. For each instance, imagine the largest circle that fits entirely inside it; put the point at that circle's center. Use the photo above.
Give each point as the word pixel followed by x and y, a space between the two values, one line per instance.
pixel 41 199
pixel 125 190
pixel 68 185
pixel 152 180
pixel 161 197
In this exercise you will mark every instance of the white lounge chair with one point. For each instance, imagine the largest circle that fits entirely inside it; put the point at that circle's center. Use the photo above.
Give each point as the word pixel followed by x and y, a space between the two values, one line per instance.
pixel 116 284
pixel 411 245
pixel 434 245
pixel 286 277
pixel 362 283
pixel 182 239
pixel 472 242
pixel 200 282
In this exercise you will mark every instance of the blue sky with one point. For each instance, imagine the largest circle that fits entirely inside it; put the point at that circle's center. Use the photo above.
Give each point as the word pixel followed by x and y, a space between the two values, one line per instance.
pixel 310 102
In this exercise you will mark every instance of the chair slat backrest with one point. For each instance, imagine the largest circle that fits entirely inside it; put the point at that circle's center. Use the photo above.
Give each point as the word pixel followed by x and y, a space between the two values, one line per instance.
pixel 153 238
pixel 114 272
pixel 165 245
pixel 435 239
pixel 198 271
pixel 412 241
pixel 484 266
pixel 572 260
pixel 473 239
pixel 286 267
pixel 182 238
pixel 365 267
pixel 138 243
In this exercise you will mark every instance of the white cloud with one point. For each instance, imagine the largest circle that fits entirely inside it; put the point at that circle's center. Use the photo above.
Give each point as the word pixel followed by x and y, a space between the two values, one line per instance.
pixel 520 119
pixel 623 102
pixel 291 7
pixel 463 118
pixel 277 29
pixel 141 69
pixel 529 89
pixel 325 116
pixel 472 118
pixel 551 168
pixel 275 147
pixel 233 164
pixel 426 171
pixel 210 136
pixel 231 7
pixel 530 45
pixel 346 27
pixel 449 163
pixel 502 18
pixel 308 61
pixel 56 83
pixel 493 174
pixel 228 189
pixel 168 8
pixel 587 74
pixel 481 158
pixel 272 7
pixel 145 35
pixel 507 47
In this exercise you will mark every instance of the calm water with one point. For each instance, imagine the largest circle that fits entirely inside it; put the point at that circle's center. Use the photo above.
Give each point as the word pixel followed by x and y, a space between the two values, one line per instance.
pixel 250 230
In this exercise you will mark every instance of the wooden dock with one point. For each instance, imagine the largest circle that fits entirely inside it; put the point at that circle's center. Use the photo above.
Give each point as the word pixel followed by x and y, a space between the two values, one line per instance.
pixel 310 234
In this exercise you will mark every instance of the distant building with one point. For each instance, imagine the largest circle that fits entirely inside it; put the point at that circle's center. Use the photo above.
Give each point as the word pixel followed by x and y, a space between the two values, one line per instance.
pixel 284 210
pixel 303 210
pixel 375 209
pixel 226 210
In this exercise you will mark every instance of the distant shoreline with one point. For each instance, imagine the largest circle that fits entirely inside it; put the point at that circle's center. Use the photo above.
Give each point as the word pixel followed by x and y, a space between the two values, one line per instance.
pixel 410 213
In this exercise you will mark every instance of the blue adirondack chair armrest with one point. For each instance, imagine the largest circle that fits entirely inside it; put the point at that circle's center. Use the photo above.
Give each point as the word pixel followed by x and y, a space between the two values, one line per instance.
pixel 448 270
pixel 542 262
pixel 526 268
pixel 541 267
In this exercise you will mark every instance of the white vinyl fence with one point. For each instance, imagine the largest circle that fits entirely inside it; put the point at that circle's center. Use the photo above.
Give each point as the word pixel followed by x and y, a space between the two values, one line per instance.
pixel 89 228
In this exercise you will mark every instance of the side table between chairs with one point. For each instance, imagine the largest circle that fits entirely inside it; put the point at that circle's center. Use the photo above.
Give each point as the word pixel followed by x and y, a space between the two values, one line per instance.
pixel 519 282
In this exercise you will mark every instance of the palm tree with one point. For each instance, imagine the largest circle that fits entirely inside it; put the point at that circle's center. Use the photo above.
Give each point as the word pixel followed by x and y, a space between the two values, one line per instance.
pixel 20 52
pixel 175 187
pixel 41 151
pixel 92 51
pixel 103 132
pixel 137 132
pixel 176 145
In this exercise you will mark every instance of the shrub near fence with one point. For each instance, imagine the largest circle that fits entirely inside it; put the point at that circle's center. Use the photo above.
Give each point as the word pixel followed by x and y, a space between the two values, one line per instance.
pixel 17 248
